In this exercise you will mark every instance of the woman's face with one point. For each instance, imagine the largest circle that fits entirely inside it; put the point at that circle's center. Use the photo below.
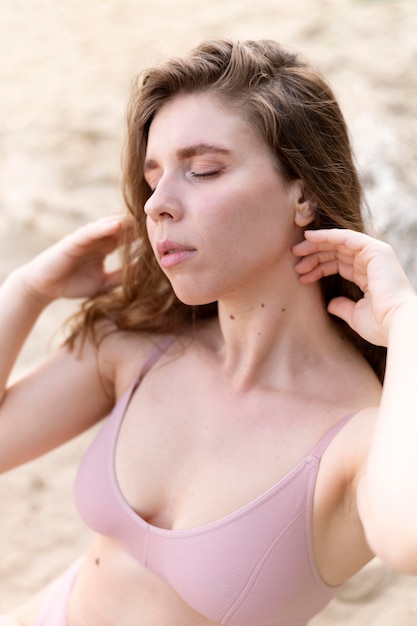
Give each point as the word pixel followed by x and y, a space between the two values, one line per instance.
pixel 221 218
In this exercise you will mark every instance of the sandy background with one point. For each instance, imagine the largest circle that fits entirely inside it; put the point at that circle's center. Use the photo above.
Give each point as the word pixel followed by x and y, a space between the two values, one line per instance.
pixel 65 70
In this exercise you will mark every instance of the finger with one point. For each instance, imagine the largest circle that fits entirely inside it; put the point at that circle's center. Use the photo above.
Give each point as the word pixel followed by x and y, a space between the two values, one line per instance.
pixel 308 248
pixel 351 239
pixel 117 222
pixel 332 267
pixel 319 271
pixel 305 248
pixel 100 238
pixel 342 307
pixel 309 262
pixel 113 279
pixel 110 226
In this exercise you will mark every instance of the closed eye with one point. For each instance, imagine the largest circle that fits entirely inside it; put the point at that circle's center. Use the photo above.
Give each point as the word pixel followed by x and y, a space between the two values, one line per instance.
pixel 209 174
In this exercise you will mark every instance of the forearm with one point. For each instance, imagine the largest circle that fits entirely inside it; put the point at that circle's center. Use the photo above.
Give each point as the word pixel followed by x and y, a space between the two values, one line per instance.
pixel 19 312
pixel 389 484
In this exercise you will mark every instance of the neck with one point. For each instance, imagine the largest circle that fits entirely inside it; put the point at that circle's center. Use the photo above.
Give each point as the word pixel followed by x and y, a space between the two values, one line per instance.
pixel 274 335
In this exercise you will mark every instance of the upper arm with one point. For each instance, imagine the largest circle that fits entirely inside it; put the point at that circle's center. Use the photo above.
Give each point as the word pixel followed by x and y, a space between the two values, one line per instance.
pixel 386 505
pixel 63 397
pixel 339 538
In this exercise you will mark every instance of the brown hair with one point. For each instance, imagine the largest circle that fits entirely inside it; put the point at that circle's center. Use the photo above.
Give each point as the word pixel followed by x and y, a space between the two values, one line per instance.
pixel 293 110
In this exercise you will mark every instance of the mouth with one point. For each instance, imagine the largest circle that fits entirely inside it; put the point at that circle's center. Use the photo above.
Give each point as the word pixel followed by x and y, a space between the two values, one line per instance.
pixel 171 252
pixel 171 247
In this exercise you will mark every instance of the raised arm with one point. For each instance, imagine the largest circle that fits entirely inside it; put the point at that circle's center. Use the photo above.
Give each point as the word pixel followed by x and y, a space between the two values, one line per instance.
pixel 65 395
pixel 386 315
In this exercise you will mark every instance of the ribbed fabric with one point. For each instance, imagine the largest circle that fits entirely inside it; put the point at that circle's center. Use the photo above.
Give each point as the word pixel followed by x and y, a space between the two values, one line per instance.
pixel 254 567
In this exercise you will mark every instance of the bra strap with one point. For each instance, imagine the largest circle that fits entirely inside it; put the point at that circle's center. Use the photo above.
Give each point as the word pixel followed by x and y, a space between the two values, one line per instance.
pixel 329 436
pixel 161 347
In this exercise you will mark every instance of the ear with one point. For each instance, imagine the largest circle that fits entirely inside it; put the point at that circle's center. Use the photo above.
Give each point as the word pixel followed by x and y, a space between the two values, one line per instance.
pixel 305 204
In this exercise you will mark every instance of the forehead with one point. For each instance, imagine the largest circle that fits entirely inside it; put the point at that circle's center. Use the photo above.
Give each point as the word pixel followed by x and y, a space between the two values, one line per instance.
pixel 198 118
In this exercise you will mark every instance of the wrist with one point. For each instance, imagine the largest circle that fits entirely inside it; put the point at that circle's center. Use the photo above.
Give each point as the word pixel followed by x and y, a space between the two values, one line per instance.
pixel 18 281
pixel 404 317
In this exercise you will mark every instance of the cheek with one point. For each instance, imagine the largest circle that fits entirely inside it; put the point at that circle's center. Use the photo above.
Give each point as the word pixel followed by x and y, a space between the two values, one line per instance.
pixel 243 215
pixel 255 228
pixel 235 206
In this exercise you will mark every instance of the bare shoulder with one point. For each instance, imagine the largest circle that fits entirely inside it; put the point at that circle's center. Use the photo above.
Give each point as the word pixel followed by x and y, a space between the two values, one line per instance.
pixel 350 447
pixel 122 354
pixel 347 452
pixel 354 439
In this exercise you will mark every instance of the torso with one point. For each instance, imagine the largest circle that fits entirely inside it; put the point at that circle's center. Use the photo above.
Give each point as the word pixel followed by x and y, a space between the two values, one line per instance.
pixel 256 438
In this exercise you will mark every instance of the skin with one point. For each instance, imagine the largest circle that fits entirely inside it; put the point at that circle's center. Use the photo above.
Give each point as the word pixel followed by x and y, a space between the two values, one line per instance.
pixel 216 182
pixel 264 381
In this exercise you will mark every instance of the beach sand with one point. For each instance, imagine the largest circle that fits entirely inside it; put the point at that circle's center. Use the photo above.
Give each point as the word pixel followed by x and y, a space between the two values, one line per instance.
pixel 65 71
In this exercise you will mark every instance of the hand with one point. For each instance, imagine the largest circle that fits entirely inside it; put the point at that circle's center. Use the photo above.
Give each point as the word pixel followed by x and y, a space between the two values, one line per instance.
pixel 75 266
pixel 370 264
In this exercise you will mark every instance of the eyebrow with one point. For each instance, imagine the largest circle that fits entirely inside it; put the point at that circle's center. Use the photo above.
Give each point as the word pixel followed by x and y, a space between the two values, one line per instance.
pixel 189 152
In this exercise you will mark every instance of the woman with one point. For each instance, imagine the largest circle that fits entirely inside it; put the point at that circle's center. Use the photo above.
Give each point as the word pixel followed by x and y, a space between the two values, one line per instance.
pixel 252 462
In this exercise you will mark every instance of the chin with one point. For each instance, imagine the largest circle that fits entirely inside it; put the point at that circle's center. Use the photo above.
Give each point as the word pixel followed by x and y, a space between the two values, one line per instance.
pixel 197 302
pixel 194 299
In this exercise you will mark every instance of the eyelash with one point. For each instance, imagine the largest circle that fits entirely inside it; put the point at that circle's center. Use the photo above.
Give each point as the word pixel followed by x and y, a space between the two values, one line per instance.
pixel 205 174
pixel 210 174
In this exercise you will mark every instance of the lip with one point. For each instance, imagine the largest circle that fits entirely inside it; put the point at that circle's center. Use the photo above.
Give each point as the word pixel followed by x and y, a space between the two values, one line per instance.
pixel 172 253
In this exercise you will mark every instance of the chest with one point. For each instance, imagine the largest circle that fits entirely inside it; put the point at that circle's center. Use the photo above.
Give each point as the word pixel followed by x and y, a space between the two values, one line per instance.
pixel 241 562
pixel 189 451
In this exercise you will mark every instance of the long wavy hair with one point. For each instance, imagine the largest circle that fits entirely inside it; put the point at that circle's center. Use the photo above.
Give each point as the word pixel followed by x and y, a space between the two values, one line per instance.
pixel 291 107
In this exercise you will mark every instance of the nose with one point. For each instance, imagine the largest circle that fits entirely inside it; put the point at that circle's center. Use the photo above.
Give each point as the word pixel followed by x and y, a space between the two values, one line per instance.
pixel 163 204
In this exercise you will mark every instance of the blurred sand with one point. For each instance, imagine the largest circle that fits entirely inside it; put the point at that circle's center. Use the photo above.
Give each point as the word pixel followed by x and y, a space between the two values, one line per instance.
pixel 65 70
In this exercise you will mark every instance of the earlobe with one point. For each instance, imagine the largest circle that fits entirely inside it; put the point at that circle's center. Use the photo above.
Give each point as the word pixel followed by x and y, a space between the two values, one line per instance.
pixel 305 205
pixel 305 214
